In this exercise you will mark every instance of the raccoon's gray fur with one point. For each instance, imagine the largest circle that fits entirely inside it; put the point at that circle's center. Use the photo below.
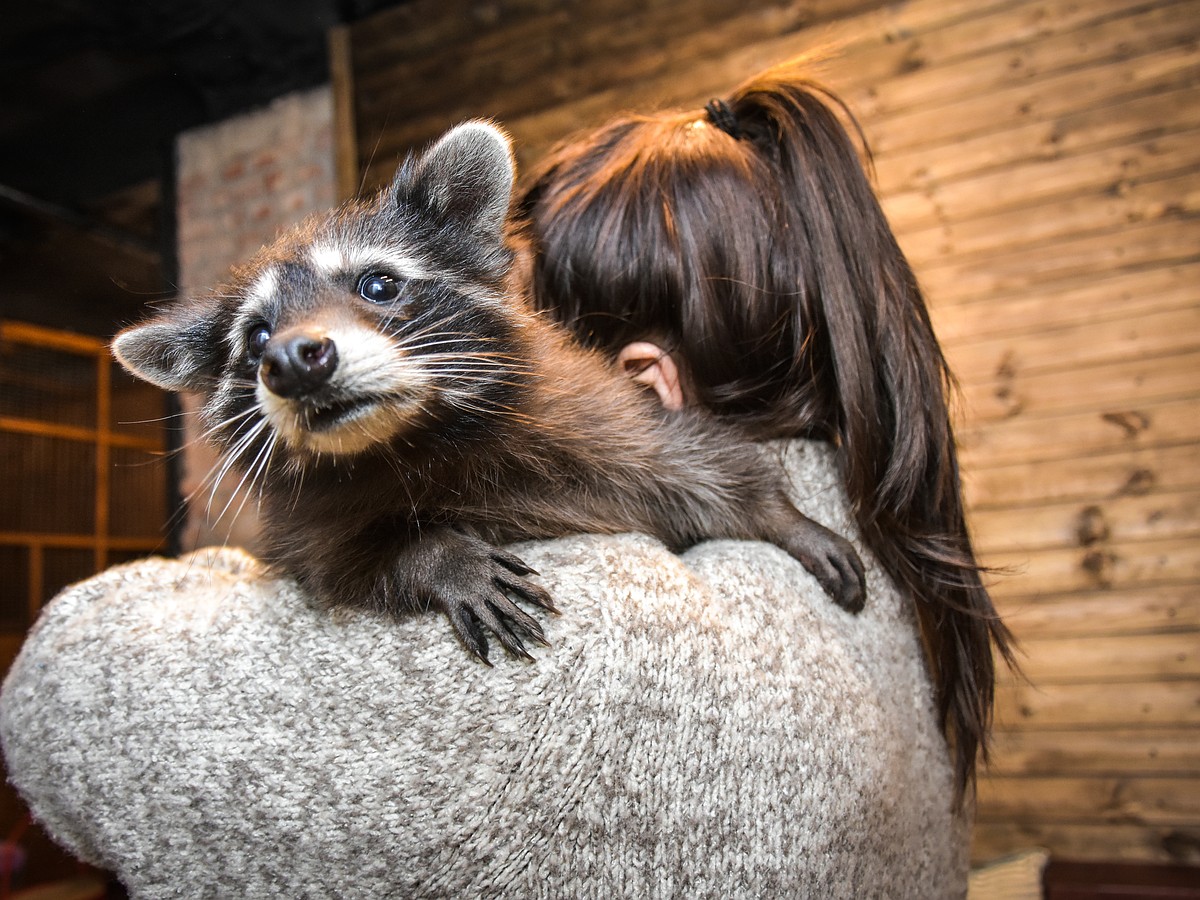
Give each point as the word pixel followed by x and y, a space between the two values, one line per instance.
pixel 402 409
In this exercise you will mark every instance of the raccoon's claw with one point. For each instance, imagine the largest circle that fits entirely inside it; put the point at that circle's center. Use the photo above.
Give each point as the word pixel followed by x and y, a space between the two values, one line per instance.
pixel 526 590
pixel 513 563
pixel 498 614
pixel 472 622
pixel 476 607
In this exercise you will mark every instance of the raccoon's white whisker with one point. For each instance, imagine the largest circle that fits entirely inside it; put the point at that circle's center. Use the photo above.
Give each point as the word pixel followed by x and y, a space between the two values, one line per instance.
pixel 209 432
pixel 299 469
pixel 208 380
pixel 155 458
pixel 189 444
pixel 498 359
pixel 233 496
pixel 254 470
pixel 272 442
pixel 230 458
pixel 480 405
pixel 469 374
pixel 208 479
pixel 392 324
pixel 437 340
pixel 212 482
pixel 492 376
pixel 469 405
pixel 433 332
pixel 478 356
pixel 245 484
pixel 472 365
pixel 363 429
pixel 182 414
pixel 475 376
pixel 465 346
pixel 478 359
pixel 177 517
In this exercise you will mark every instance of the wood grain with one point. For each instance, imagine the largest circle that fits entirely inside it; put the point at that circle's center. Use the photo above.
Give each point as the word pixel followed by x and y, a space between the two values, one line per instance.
pixel 1040 163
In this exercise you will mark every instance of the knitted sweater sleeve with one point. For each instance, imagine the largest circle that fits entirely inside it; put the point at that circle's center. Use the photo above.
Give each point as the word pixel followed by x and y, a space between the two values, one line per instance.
pixel 706 725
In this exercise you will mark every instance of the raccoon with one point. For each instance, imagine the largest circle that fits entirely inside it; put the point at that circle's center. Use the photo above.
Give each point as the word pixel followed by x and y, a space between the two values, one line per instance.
pixel 382 378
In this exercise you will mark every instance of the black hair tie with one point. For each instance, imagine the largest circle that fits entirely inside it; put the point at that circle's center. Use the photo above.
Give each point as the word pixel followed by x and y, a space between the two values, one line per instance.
pixel 720 114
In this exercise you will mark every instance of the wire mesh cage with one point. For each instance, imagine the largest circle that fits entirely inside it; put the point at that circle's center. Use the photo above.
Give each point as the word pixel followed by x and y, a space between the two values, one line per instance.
pixel 81 449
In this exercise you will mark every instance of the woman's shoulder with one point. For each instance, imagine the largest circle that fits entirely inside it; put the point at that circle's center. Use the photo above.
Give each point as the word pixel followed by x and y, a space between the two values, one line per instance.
pixel 705 719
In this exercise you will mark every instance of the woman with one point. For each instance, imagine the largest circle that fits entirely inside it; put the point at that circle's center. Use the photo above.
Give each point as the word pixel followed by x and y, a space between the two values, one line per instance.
pixel 704 725
pixel 739 261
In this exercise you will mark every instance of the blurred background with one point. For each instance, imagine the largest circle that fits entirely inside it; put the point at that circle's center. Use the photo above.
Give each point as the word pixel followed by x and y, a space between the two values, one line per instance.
pixel 1039 161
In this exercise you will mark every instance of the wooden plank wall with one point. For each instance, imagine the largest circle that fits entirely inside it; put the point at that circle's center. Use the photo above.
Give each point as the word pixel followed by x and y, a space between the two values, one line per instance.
pixel 1039 163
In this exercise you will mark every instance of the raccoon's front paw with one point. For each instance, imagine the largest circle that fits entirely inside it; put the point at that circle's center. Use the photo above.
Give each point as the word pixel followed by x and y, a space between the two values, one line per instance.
pixel 834 562
pixel 479 599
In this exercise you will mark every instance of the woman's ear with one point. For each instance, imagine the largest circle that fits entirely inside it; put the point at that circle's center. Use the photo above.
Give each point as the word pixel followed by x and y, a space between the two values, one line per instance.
pixel 650 365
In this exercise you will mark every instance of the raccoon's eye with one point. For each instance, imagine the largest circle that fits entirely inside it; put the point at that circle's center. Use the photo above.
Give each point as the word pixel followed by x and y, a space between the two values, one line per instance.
pixel 257 340
pixel 378 288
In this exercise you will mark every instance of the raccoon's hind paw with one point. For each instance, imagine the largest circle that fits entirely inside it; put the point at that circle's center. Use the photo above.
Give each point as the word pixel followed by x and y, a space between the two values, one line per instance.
pixel 490 608
pixel 833 561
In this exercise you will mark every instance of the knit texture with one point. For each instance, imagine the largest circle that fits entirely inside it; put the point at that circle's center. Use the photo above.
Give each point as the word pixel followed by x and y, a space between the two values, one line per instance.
pixel 710 725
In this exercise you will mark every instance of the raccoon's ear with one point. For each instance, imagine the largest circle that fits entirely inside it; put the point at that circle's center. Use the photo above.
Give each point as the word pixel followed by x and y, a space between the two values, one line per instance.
pixel 176 350
pixel 464 179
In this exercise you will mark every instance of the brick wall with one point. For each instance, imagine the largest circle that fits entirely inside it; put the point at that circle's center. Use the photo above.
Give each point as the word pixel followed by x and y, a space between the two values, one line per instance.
pixel 238 184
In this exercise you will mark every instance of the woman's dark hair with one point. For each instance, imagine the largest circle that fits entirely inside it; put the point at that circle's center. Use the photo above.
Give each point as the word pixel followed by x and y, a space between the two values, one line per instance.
pixel 748 241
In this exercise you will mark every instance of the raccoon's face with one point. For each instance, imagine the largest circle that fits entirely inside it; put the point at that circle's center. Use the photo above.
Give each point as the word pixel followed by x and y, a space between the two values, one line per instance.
pixel 351 346
pixel 354 332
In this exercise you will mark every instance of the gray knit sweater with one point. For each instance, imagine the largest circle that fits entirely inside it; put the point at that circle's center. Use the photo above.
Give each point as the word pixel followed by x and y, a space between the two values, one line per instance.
pixel 708 725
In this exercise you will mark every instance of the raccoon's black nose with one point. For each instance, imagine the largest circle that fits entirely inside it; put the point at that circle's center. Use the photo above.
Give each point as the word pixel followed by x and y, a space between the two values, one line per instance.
pixel 299 364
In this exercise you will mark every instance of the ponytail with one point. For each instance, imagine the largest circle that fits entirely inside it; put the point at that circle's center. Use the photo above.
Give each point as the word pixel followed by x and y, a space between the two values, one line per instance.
pixel 750 242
